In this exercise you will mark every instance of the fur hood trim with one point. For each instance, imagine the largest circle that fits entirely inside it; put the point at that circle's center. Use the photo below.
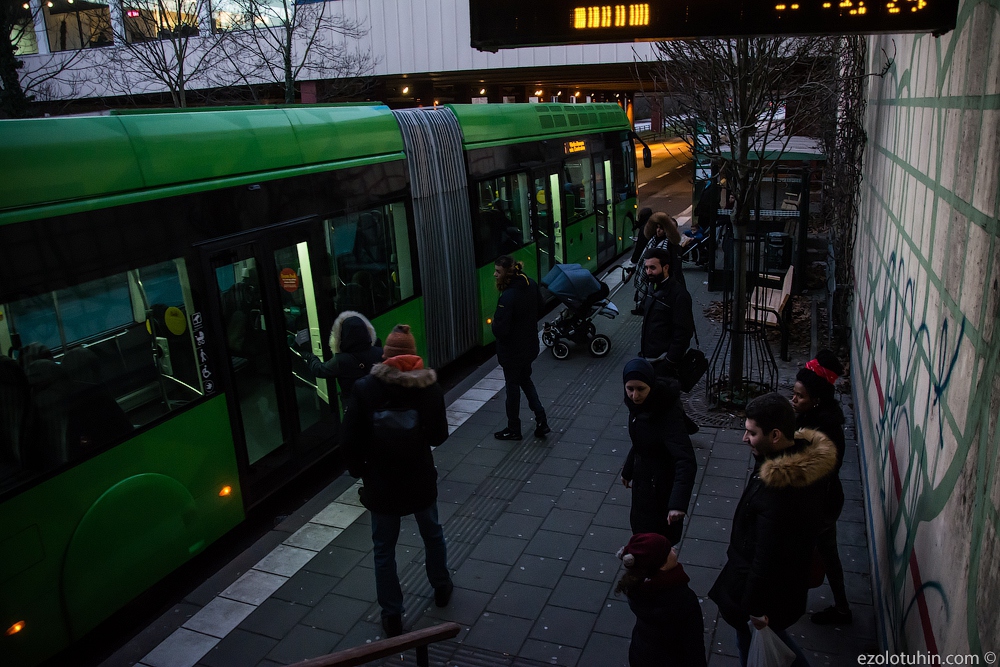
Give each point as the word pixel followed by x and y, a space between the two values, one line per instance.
pixel 804 466
pixel 335 337
pixel 419 379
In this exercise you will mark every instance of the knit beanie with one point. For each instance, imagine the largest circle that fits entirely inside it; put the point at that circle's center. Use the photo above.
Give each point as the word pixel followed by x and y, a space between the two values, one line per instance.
pixel 645 553
pixel 400 341
pixel 639 369
pixel 820 375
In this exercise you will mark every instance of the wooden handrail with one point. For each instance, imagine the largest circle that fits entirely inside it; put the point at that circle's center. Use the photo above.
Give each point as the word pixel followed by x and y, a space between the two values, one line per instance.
pixel 362 655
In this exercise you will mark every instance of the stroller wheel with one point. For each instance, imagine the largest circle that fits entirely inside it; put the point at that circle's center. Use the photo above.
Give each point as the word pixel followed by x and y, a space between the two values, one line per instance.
pixel 600 345
pixel 560 350
pixel 549 338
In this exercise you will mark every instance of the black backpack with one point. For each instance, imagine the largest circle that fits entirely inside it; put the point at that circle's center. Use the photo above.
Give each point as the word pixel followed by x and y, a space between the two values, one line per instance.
pixel 396 427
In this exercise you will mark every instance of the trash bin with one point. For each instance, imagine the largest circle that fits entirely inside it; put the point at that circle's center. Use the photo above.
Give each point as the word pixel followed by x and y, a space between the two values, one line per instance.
pixel 778 256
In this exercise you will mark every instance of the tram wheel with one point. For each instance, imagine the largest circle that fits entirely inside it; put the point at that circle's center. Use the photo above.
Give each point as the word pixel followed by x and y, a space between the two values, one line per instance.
pixel 560 350
pixel 549 338
pixel 600 345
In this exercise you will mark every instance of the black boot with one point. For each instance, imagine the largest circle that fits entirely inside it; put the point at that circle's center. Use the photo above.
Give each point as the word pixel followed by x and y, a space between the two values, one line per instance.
pixel 542 427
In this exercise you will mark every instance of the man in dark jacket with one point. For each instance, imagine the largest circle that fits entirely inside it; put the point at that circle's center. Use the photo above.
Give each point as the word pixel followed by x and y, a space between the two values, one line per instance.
pixel 393 419
pixel 355 350
pixel 667 321
pixel 515 326
pixel 777 520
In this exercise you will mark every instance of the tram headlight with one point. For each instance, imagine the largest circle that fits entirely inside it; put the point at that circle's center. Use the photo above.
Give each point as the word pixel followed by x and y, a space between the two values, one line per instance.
pixel 14 629
pixel 225 491
pixel 489 320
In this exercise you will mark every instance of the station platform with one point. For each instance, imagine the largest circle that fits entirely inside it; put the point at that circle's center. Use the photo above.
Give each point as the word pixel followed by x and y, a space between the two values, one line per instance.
pixel 532 528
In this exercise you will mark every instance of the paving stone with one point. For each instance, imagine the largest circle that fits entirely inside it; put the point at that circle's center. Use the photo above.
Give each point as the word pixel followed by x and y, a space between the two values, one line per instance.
pixel 708 527
pixel 597 565
pixel 512 524
pixel 466 607
pixel 580 500
pixel 702 578
pixel 552 545
pixel 546 484
pixel 306 588
pixel 451 491
pixel 285 560
pixel 239 649
pixel 469 473
pixel 570 450
pixel 254 587
pixel 338 515
pixel 721 507
pixel 717 485
pixel 219 617
pixel 725 450
pixel 537 570
pixel 568 521
pixel 532 504
pixel 498 549
pixel 357 537
pixel 852 489
pixel 562 626
pixel 552 654
pixel 616 619
pixel 593 481
pixel 581 594
pixel 496 632
pixel 274 618
pixel 727 468
pixel 558 467
pixel 852 534
pixel 358 584
pixel 704 553
pixel 605 538
pixel 521 600
pixel 482 456
pixel 303 643
pixel 619 495
pixel 480 575
pixel 583 436
pixel 313 536
pixel 604 463
pixel 181 649
pixel 337 613
pixel 605 651
pixel 614 516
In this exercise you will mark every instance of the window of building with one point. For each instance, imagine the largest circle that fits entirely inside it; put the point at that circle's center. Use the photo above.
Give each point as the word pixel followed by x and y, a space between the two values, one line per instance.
pixel 244 14
pixel 147 20
pixel 502 222
pixel 578 188
pixel 22 32
pixel 372 259
pixel 90 364
pixel 71 26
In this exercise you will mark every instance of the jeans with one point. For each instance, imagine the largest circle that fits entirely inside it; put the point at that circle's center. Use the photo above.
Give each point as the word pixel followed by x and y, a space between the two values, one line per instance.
pixel 826 543
pixel 385 532
pixel 743 637
pixel 517 378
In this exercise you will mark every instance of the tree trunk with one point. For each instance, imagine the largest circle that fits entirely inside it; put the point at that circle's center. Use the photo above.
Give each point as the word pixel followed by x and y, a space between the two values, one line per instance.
pixel 740 223
pixel 289 78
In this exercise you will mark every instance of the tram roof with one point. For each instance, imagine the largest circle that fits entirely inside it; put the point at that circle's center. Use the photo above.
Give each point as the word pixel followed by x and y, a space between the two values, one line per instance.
pixel 485 125
pixel 76 158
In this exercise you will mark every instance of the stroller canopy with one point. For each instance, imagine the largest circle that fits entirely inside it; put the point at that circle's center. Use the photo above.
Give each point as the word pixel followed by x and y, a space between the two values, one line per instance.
pixel 572 284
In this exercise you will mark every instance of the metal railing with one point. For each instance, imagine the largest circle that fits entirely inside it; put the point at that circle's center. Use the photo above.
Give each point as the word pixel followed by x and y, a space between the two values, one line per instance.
pixel 383 648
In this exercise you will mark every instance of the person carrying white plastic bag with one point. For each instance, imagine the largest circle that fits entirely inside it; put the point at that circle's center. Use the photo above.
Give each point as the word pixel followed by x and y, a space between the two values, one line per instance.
pixel 766 649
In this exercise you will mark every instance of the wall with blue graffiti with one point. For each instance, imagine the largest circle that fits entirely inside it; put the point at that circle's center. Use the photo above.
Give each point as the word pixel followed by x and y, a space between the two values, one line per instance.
pixel 925 349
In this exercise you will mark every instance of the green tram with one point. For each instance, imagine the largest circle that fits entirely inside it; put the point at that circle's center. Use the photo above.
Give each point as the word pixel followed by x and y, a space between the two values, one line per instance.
pixel 154 268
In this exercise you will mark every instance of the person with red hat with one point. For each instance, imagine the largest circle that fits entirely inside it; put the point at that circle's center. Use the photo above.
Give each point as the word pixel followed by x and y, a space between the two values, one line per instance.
pixel 816 408
pixel 669 627
pixel 395 415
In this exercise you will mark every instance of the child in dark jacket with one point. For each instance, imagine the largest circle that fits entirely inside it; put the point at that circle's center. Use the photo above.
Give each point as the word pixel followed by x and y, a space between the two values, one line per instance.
pixel 355 349
pixel 669 628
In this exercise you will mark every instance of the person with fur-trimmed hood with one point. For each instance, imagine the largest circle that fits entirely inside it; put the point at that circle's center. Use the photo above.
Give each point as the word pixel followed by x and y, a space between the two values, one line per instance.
pixel 395 415
pixel 777 520
pixel 355 349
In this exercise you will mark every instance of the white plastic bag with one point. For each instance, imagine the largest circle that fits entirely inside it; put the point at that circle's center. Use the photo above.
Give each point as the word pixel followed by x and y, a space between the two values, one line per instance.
pixel 766 650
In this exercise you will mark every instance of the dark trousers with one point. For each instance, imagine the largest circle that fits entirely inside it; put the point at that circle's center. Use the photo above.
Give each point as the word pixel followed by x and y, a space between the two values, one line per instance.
pixel 826 543
pixel 517 377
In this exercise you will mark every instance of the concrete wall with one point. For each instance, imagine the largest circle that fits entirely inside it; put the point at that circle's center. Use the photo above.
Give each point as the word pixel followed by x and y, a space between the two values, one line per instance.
pixel 925 337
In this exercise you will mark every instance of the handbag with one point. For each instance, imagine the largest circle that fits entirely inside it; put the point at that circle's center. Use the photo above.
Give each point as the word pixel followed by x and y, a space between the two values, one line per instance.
pixel 766 650
pixel 693 365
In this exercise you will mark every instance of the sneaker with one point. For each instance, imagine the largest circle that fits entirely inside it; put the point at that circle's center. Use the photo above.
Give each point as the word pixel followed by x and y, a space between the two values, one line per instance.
pixel 442 594
pixel 542 430
pixel 832 616
pixel 507 434
pixel 393 625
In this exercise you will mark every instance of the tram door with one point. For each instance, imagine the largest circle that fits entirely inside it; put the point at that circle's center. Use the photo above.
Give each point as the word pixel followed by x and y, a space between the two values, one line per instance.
pixel 548 220
pixel 605 209
pixel 267 313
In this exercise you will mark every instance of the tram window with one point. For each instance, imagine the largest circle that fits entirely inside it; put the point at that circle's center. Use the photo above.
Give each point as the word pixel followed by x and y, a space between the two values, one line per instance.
pixel 578 188
pixel 502 223
pixel 371 259
pixel 90 364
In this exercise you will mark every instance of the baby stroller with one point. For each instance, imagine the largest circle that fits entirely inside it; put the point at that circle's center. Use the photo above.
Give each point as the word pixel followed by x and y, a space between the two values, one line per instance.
pixel 585 298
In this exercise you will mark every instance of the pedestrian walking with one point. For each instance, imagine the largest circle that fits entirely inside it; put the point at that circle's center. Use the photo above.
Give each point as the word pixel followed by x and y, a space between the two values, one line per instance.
pixel 817 408
pixel 355 349
pixel 663 233
pixel 660 467
pixel 667 320
pixel 515 327
pixel 394 417
pixel 669 628
pixel 766 578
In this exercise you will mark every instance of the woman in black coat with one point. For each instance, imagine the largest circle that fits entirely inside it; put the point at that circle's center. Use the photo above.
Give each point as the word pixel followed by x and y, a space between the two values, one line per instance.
pixel 817 408
pixel 660 467
pixel 669 627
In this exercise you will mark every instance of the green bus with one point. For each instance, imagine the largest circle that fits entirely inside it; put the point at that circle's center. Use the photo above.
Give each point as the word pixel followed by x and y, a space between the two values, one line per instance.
pixel 155 267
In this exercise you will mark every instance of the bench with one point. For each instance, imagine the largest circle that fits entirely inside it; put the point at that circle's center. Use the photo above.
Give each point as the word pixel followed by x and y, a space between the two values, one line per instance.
pixel 767 306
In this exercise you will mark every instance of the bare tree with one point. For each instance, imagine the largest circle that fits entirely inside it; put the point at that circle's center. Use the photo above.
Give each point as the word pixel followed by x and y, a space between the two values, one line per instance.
pixel 746 92
pixel 67 69
pixel 163 44
pixel 278 41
